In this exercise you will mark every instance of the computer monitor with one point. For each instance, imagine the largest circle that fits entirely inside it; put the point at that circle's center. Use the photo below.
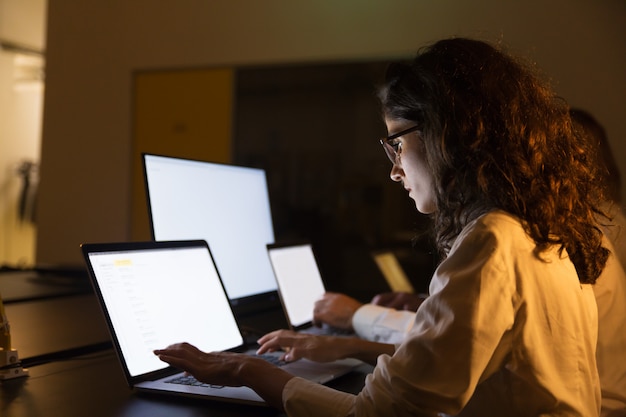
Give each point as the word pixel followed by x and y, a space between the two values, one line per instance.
pixel 226 205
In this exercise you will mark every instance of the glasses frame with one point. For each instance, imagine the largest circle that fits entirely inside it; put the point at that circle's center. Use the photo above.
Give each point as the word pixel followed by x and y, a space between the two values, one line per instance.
pixel 389 149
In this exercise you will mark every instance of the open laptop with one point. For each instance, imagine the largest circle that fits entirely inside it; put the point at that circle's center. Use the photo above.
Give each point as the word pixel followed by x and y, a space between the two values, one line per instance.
pixel 393 272
pixel 300 284
pixel 154 294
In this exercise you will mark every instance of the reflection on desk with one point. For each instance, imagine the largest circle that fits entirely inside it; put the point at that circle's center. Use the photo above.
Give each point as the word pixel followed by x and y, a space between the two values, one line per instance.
pixel 57 324
pixel 28 285
pixel 94 386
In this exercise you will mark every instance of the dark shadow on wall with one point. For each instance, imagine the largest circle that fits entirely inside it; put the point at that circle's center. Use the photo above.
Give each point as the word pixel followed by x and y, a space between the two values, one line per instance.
pixel 315 131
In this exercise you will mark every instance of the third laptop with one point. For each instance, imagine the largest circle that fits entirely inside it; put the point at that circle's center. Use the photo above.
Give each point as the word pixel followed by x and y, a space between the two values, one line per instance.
pixel 300 284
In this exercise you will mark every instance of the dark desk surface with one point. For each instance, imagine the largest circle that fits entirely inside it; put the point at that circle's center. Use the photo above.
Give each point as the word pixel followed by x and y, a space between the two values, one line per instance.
pixel 73 372
pixel 54 325
pixel 94 386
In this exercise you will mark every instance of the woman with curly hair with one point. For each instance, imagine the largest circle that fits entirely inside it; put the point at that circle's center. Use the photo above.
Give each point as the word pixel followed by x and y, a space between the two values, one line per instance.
pixel 510 324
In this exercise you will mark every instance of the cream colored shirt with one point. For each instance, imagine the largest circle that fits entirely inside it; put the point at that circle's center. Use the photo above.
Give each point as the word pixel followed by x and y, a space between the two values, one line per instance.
pixel 503 333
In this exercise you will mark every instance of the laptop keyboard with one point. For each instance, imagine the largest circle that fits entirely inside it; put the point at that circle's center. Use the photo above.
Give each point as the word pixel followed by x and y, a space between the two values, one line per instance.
pixel 273 359
pixel 190 380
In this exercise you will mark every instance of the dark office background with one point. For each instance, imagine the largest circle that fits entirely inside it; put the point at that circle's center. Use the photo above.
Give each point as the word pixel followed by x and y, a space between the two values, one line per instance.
pixel 315 131
pixel 88 134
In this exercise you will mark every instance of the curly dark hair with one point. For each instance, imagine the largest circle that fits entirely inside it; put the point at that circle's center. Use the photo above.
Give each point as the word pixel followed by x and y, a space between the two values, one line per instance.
pixel 497 137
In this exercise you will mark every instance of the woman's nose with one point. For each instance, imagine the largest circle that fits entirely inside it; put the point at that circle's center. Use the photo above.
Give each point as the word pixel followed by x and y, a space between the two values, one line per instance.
pixel 396 173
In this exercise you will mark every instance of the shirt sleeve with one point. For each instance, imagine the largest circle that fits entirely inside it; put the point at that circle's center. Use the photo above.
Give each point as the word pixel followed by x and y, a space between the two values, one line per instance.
pixel 382 324
pixel 304 398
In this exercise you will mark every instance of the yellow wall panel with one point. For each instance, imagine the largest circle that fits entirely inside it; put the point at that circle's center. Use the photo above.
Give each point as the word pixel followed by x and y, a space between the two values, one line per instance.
pixel 185 113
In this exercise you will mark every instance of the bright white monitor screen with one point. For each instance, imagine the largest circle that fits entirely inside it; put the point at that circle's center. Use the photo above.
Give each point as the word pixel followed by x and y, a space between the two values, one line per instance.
pixel 226 205
pixel 299 281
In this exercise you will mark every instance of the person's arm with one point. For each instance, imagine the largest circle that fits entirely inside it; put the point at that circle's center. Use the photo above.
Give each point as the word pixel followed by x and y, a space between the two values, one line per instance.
pixel 322 348
pixel 382 324
pixel 370 322
pixel 335 310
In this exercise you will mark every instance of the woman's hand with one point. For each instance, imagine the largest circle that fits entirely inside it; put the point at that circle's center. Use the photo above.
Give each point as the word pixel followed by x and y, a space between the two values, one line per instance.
pixel 229 369
pixel 220 368
pixel 301 345
pixel 322 348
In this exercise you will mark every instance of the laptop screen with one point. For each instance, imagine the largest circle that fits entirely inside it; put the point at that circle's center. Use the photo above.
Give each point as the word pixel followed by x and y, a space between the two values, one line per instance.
pixel 226 205
pixel 299 280
pixel 158 293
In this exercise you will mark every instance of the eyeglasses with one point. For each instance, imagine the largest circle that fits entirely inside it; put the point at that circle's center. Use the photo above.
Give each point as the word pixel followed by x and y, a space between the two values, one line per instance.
pixel 393 148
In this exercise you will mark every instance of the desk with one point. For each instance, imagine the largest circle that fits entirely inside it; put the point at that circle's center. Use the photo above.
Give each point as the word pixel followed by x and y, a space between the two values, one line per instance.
pixel 46 326
pixel 94 386
pixel 81 376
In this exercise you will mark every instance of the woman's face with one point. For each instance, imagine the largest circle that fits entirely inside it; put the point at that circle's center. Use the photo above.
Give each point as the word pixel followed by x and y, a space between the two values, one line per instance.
pixel 411 168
